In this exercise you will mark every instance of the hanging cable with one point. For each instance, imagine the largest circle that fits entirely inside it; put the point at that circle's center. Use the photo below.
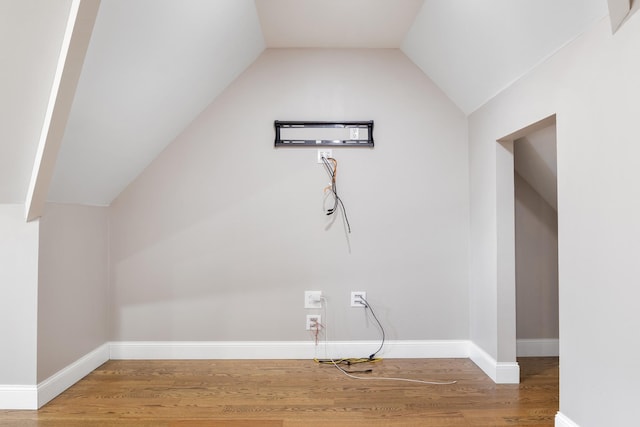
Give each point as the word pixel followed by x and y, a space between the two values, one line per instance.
pixel 368 306
pixel 331 165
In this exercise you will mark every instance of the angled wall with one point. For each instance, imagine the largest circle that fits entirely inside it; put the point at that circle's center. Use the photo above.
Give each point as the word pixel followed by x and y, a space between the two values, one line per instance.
pixel 219 237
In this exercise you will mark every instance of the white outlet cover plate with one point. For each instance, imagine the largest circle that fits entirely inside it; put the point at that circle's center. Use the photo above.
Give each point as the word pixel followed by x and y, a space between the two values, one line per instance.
pixel 355 301
pixel 313 319
pixel 325 152
pixel 312 299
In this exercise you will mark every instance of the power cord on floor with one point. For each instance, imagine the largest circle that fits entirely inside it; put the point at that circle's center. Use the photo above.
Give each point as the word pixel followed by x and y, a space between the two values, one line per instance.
pixel 370 359
pixel 393 379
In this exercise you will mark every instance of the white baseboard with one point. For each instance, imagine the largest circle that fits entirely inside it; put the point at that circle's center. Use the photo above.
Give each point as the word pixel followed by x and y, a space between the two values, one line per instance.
pixel 35 396
pixel 21 397
pixel 563 421
pixel 284 349
pixel 538 347
pixel 18 397
pixel 499 372
pixel 66 377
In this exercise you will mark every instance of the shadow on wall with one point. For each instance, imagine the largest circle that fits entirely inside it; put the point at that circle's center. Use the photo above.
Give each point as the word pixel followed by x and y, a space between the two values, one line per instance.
pixel 536 265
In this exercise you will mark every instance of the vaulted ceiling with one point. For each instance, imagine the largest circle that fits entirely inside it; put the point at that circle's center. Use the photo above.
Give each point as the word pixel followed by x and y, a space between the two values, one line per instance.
pixel 153 65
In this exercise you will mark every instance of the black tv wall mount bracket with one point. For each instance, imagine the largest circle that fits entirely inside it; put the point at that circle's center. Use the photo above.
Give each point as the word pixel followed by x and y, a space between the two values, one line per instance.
pixel 324 134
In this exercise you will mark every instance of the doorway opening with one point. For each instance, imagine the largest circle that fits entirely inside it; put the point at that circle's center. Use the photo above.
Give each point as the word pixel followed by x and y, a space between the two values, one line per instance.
pixel 536 243
pixel 531 327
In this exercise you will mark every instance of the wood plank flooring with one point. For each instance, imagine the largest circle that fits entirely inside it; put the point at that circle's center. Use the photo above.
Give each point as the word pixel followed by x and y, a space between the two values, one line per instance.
pixel 286 393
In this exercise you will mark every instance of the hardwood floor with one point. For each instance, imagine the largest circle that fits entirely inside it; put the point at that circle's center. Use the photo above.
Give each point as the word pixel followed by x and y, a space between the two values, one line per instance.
pixel 270 393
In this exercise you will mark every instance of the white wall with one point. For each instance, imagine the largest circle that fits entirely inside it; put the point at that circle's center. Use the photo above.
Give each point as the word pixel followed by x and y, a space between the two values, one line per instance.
pixel 31 33
pixel 536 243
pixel 593 86
pixel 73 285
pixel 18 295
pixel 219 237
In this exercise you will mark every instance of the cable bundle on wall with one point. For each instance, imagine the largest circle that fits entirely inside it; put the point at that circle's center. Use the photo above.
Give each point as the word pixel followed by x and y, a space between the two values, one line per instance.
pixel 331 165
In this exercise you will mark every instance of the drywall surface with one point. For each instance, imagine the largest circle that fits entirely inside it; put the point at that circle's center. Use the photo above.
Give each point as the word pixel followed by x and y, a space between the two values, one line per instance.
pixel 150 68
pixel 221 235
pixel 593 87
pixel 31 33
pixel 73 285
pixel 18 295
pixel 536 263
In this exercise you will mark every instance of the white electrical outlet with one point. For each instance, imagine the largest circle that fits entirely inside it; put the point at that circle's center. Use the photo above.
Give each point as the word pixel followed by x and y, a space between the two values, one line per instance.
pixel 313 322
pixel 312 299
pixel 354 133
pixel 325 152
pixel 355 298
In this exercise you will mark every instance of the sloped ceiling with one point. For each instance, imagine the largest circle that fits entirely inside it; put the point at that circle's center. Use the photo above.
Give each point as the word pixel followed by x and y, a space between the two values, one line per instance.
pixel 151 68
pixel 153 65
pixel 475 49
pixel 535 160
pixel 31 33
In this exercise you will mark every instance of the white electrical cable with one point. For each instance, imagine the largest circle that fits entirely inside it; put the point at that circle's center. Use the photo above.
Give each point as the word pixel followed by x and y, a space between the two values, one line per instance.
pixel 326 339
pixel 391 378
